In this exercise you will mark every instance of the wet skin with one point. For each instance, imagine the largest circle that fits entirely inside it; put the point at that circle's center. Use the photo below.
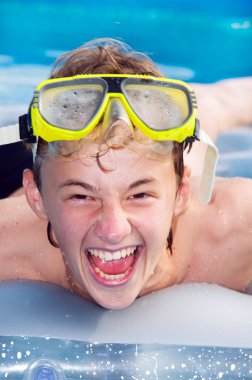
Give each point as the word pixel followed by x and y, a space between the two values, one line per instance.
pixel 112 225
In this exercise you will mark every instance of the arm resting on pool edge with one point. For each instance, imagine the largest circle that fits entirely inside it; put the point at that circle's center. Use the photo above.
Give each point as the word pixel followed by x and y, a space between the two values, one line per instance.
pixel 224 105
pixel 25 252
pixel 241 216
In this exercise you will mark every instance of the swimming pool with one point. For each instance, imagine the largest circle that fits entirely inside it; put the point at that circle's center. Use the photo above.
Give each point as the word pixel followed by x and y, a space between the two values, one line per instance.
pixel 192 40
pixel 199 41
pixel 184 332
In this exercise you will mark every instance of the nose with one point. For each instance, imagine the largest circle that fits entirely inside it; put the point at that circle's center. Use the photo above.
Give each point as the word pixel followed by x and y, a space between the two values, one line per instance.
pixel 113 225
pixel 114 112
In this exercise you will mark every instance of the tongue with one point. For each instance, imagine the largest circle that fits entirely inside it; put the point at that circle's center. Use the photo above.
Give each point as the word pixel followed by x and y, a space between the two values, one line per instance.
pixel 113 266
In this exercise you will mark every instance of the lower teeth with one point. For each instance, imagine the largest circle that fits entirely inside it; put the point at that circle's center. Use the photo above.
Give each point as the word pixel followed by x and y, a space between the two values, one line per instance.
pixel 110 276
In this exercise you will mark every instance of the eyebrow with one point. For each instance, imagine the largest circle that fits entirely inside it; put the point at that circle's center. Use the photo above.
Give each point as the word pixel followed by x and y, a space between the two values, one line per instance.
pixel 73 182
pixel 87 186
pixel 140 182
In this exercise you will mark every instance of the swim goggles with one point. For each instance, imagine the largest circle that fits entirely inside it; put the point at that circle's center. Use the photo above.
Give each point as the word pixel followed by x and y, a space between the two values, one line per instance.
pixel 70 108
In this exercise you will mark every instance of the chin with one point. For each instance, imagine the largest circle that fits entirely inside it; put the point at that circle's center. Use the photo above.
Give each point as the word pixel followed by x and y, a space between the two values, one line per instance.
pixel 115 302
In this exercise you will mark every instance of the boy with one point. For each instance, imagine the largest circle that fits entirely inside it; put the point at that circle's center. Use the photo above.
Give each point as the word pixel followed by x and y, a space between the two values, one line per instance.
pixel 110 189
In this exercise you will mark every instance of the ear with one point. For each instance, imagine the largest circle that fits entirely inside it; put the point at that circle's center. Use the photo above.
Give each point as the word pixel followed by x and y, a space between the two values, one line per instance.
pixel 183 193
pixel 33 195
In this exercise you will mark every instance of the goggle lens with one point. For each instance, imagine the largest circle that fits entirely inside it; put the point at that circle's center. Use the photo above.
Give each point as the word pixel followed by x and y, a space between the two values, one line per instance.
pixel 71 107
pixel 161 108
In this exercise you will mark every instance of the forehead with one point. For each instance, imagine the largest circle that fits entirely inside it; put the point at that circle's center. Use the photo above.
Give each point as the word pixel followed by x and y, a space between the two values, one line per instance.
pixel 116 165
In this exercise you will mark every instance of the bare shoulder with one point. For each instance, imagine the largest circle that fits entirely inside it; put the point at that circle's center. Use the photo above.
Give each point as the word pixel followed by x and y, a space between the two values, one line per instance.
pixel 236 192
pixel 224 236
pixel 24 250
pixel 232 199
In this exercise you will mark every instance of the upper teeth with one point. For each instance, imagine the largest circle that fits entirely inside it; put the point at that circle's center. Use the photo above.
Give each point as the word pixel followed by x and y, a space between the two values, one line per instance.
pixel 108 256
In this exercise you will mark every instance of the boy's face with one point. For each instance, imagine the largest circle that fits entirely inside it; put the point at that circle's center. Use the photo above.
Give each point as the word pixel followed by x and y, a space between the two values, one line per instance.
pixel 111 225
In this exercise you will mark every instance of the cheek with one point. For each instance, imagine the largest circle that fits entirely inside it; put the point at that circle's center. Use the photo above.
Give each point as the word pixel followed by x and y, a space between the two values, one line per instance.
pixel 67 224
pixel 165 220
pixel 155 226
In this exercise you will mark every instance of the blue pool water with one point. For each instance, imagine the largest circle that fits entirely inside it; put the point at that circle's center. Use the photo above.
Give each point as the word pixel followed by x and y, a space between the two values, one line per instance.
pixel 210 39
pixel 29 358
pixel 193 40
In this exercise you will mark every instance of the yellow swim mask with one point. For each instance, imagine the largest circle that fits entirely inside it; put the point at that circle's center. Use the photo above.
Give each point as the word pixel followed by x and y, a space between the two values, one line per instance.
pixel 70 108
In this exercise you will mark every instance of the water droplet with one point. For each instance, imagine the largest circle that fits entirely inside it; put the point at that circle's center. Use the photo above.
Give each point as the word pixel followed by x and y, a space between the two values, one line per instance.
pixel 19 355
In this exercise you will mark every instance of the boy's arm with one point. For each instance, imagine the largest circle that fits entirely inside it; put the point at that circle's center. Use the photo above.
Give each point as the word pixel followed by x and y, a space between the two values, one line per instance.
pixel 224 105
pixel 241 215
pixel 221 106
pixel 24 249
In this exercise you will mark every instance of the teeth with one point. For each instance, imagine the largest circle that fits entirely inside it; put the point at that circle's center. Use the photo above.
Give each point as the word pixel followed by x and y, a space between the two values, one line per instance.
pixel 124 253
pixel 109 256
pixel 110 276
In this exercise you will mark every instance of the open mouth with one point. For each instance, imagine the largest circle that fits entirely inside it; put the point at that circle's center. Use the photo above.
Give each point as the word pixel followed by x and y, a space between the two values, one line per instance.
pixel 113 267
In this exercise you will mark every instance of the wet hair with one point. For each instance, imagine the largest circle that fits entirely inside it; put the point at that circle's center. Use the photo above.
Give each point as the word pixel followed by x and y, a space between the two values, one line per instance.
pixel 103 56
